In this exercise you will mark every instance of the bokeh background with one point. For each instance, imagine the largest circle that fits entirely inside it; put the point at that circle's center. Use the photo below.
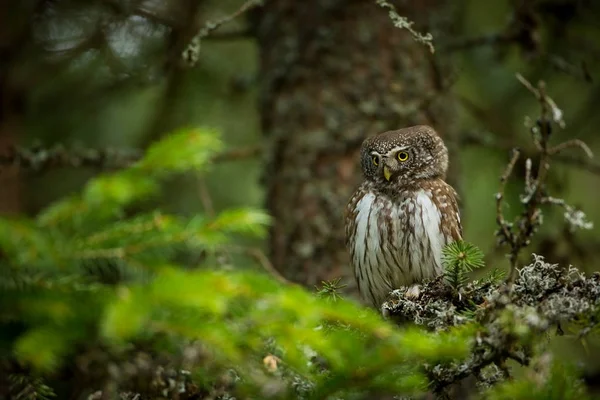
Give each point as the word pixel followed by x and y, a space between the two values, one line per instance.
pixel 110 74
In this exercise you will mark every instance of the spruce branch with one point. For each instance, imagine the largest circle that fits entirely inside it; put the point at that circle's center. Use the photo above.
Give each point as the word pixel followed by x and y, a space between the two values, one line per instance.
pixel 458 259
pixel 330 290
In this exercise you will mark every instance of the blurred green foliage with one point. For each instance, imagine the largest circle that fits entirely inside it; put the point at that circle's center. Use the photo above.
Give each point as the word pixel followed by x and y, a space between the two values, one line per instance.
pixel 97 265
pixel 96 274
pixel 56 298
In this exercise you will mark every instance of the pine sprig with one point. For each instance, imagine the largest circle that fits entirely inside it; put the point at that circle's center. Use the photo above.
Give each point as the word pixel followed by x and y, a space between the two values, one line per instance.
pixel 459 258
pixel 494 277
pixel 330 290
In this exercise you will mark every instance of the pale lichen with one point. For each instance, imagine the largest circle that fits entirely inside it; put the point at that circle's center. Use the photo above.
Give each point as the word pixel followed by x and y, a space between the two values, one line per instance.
pixel 509 319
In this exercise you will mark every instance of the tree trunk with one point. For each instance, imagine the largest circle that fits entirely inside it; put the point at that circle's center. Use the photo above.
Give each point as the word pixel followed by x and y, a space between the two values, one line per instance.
pixel 334 72
pixel 14 33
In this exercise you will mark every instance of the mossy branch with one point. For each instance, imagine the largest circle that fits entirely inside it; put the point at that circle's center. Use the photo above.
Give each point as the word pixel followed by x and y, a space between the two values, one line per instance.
pixel 403 23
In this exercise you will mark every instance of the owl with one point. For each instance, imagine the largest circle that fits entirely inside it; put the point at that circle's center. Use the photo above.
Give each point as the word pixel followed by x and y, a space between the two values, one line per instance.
pixel 402 215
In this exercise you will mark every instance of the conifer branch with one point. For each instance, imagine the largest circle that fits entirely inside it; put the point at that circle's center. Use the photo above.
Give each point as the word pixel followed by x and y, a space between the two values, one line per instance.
pixel 459 258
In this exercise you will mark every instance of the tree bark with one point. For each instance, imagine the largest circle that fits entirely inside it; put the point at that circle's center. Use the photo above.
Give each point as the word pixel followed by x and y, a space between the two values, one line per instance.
pixel 332 73
pixel 14 34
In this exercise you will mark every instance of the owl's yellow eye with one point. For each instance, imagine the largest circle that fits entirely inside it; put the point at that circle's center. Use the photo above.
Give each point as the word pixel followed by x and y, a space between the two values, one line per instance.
pixel 402 156
pixel 375 160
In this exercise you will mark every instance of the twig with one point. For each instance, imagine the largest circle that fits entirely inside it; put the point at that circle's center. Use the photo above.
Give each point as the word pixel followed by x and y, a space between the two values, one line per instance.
pixel 403 23
pixel 572 143
pixel 492 39
pixel 192 51
pixel 486 140
pixel 205 198
pixel 502 223
pixel 264 262
pixel 238 34
pixel 531 217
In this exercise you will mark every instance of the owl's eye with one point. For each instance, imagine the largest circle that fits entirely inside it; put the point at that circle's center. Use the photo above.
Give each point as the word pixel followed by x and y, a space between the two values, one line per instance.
pixel 402 156
pixel 375 159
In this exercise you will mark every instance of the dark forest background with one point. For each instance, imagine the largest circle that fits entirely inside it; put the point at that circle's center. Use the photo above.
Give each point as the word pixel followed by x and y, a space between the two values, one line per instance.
pixel 293 87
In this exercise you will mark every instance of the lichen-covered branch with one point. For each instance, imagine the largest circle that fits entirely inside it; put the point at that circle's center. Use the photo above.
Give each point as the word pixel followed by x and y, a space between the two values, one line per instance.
pixel 517 235
pixel 41 159
pixel 403 23
pixel 192 51
pixel 508 319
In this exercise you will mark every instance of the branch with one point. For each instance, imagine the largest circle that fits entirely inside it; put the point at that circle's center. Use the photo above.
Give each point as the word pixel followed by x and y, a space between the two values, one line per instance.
pixel 40 159
pixel 403 23
pixel 486 140
pixel 518 235
pixel 492 39
pixel 238 34
pixel 543 296
pixel 239 154
pixel 192 52
pixel 505 227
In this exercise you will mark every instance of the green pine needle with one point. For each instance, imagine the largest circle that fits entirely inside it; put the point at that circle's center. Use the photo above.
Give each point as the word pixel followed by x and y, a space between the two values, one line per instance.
pixel 495 276
pixel 330 290
pixel 458 259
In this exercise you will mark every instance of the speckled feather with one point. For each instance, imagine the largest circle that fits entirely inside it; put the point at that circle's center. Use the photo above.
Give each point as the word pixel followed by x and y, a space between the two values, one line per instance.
pixel 396 229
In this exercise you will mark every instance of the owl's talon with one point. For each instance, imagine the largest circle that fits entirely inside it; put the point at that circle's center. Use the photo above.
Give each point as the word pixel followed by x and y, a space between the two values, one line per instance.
pixel 413 292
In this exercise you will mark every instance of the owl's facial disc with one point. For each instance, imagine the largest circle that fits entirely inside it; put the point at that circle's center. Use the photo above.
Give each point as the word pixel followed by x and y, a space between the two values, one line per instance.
pixel 393 160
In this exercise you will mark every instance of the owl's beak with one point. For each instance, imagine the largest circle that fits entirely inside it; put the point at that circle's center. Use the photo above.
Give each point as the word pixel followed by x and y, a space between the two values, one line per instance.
pixel 387 173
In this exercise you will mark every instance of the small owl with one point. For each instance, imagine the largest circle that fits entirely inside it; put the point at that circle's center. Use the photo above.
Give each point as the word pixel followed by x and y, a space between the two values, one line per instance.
pixel 402 215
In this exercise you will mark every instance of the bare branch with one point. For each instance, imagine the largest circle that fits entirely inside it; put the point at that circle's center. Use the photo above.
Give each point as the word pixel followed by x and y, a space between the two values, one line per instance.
pixel 505 227
pixel 572 143
pixel 535 192
pixel 492 39
pixel 487 140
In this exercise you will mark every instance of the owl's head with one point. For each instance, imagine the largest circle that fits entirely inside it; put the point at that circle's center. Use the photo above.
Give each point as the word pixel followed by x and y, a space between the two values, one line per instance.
pixel 404 156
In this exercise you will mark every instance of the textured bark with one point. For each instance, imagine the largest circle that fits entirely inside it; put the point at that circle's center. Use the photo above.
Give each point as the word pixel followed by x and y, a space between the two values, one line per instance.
pixel 334 72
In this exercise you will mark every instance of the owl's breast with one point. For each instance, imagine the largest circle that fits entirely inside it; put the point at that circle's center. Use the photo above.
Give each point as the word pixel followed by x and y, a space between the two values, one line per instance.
pixel 394 242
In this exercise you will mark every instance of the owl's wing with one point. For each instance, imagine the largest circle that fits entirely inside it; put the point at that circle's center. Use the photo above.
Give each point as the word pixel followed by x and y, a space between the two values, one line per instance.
pixel 453 215
pixel 447 201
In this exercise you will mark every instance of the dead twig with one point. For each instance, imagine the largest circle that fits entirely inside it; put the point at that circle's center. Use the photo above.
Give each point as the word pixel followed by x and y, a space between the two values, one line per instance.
pixel 518 235
pixel 490 141
pixel 500 220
